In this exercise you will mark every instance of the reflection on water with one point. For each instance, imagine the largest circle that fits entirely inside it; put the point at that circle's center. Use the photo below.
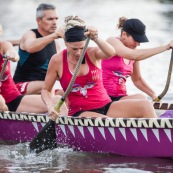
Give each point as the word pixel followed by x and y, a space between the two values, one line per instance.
pixel 17 16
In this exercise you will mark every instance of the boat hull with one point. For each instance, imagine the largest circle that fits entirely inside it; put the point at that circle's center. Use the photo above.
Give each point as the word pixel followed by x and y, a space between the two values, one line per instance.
pixel 129 137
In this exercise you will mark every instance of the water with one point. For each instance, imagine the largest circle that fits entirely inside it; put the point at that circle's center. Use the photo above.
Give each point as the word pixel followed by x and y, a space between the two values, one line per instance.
pixel 16 158
pixel 17 16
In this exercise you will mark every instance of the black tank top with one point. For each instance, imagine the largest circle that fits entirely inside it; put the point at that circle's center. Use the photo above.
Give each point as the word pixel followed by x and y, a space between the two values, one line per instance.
pixel 33 66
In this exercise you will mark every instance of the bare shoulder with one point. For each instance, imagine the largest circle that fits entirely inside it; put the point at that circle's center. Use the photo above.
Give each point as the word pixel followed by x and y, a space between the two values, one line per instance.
pixel 91 51
pixel 28 34
pixel 26 38
pixel 116 43
pixel 112 39
pixel 57 58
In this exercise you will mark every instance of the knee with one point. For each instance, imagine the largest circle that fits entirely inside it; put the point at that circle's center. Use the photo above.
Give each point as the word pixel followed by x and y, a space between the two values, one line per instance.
pixel 147 109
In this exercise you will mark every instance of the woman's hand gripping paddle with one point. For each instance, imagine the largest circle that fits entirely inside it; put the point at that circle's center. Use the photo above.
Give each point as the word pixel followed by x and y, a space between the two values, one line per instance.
pixel 46 138
pixel 157 99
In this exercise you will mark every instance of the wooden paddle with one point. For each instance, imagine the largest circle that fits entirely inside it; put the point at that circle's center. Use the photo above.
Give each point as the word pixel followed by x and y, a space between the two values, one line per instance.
pixel 168 80
pixel 46 138
pixel 4 66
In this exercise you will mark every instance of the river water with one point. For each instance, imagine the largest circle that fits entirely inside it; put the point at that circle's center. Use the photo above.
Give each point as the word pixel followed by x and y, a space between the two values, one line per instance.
pixel 17 16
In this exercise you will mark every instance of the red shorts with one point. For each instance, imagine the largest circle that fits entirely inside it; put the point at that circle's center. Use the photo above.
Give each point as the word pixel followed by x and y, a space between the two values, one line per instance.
pixel 22 86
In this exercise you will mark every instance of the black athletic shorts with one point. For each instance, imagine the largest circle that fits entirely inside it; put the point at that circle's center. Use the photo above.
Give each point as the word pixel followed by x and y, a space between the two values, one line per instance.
pixel 13 105
pixel 103 110
pixel 115 98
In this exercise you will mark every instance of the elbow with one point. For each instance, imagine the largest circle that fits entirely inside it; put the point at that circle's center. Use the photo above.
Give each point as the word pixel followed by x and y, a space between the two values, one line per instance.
pixel 111 53
pixel 137 82
pixel 30 48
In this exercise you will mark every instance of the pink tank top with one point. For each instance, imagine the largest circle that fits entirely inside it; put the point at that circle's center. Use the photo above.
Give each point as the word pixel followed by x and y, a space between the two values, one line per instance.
pixel 88 91
pixel 115 73
pixel 8 88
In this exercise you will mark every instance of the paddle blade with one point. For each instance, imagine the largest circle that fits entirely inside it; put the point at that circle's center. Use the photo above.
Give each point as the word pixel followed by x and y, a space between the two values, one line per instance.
pixel 45 139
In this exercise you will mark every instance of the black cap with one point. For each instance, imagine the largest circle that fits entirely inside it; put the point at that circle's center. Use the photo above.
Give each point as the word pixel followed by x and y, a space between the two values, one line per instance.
pixel 136 29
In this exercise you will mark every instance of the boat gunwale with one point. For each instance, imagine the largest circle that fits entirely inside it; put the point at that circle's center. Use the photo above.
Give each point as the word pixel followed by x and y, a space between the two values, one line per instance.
pixel 157 123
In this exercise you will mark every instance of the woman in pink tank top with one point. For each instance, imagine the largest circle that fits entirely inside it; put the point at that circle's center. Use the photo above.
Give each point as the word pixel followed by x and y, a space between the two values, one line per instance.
pixel 88 97
pixel 125 63
pixel 10 97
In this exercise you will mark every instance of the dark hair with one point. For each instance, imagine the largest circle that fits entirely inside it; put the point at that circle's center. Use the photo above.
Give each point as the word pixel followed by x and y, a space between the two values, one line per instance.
pixel 121 22
pixel 42 7
pixel 74 29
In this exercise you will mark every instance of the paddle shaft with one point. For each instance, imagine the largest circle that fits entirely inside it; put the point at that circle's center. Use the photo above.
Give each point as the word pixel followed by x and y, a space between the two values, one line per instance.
pixel 73 77
pixel 168 78
pixel 4 66
pixel 46 138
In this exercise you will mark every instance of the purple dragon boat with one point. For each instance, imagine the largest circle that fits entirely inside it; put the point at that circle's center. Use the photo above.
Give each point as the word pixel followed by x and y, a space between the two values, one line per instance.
pixel 130 137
